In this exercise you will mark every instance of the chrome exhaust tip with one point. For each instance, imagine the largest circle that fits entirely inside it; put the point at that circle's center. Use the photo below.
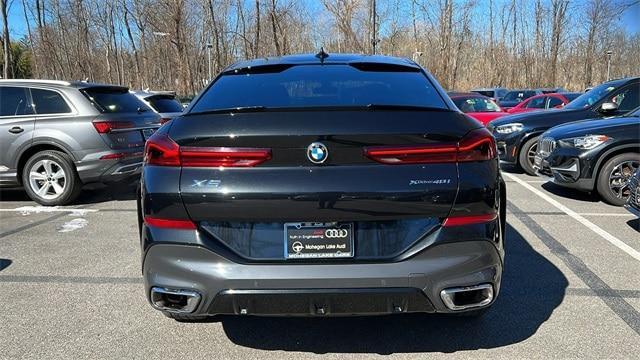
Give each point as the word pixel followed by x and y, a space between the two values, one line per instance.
pixel 467 297
pixel 174 300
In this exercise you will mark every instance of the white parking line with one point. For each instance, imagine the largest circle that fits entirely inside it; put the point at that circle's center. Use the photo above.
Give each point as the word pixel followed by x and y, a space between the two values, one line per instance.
pixel 27 210
pixel 607 214
pixel 593 227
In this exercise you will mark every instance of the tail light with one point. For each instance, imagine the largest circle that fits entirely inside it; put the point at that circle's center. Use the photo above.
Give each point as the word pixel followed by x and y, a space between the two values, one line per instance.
pixel 170 223
pixel 477 145
pixel 223 156
pixel 104 127
pixel 161 150
pixel 412 154
pixel 469 220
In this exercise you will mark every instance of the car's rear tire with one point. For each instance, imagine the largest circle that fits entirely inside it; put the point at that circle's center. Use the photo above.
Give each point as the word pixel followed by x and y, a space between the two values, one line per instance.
pixel 49 177
pixel 187 317
pixel 527 154
pixel 613 179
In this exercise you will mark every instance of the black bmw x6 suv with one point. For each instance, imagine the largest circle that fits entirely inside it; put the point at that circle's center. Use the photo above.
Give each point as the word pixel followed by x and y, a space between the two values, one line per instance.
pixel 517 135
pixel 600 155
pixel 322 185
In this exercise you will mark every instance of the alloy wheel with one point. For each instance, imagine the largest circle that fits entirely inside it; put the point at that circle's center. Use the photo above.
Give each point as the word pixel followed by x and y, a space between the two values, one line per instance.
pixel 47 179
pixel 620 176
pixel 531 154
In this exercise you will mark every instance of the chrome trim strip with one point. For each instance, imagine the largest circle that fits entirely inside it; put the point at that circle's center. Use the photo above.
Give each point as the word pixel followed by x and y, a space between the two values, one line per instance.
pixel 124 169
pixel 572 168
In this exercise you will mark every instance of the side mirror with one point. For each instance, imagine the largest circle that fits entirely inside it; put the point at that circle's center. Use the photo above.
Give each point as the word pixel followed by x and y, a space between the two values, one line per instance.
pixel 608 107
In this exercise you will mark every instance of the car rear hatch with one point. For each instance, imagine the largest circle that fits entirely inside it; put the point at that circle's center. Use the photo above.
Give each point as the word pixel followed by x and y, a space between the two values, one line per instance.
pixel 390 176
pixel 166 105
pixel 124 122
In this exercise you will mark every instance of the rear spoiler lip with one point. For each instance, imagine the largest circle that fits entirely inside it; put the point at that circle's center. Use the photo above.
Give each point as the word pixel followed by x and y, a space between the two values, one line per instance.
pixel 322 108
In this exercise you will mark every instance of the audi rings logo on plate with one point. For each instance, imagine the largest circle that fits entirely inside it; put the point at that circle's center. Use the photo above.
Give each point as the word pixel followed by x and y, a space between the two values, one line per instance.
pixel 336 233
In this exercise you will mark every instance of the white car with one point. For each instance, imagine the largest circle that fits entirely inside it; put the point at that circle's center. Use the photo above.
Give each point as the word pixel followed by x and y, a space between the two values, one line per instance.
pixel 162 102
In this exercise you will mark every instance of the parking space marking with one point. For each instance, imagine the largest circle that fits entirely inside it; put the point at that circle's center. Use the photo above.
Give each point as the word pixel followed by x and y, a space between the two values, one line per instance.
pixel 607 214
pixel 629 294
pixel 47 209
pixel 582 214
pixel 36 223
pixel 617 304
pixel 69 279
pixel 593 227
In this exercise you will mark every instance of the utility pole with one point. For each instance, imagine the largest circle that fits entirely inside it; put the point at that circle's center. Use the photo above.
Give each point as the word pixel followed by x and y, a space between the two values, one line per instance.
pixel 374 36
pixel 209 47
pixel 609 53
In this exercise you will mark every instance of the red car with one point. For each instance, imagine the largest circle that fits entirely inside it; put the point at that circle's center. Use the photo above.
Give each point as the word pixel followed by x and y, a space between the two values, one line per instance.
pixel 477 106
pixel 544 102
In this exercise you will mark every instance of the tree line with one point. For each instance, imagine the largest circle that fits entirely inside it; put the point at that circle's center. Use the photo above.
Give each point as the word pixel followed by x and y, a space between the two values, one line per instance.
pixel 173 44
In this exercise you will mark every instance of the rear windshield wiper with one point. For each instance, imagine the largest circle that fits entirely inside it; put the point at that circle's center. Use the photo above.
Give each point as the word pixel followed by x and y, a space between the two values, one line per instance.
pixel 405 107
pixel 238 109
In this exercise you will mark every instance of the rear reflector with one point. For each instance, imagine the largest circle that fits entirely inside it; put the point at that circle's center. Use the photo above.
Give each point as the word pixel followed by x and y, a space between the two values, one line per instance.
pixel 118 156
pixel 469 220
pixel 477 145
pixel 104 127
pixel 170 223
pixel 161 150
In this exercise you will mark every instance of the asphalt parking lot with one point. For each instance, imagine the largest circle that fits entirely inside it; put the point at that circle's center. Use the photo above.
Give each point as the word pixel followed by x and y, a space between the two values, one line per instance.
pixel 70 286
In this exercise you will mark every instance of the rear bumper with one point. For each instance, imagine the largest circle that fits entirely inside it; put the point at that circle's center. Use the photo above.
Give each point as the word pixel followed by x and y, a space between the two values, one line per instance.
pixel 100 170
pixel 411 285
pixel 320 302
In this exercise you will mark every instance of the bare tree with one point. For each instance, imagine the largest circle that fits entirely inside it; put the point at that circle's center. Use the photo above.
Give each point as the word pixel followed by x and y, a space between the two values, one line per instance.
pixel 6 41
pixel 559 20
pixel 160 43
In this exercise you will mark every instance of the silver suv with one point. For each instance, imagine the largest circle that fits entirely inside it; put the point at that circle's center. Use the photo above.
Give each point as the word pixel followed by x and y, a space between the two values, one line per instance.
pixel 56 136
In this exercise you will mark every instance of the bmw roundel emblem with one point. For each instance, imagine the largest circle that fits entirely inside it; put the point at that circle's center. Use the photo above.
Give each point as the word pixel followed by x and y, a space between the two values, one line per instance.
pixel 317 153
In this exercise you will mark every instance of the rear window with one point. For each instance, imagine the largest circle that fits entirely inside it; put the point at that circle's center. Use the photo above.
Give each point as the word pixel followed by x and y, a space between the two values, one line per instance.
pixel 164 104
pixel 475 104
pixel 320 86
pixel 518 95
pixel 487 93
pixel 114 100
